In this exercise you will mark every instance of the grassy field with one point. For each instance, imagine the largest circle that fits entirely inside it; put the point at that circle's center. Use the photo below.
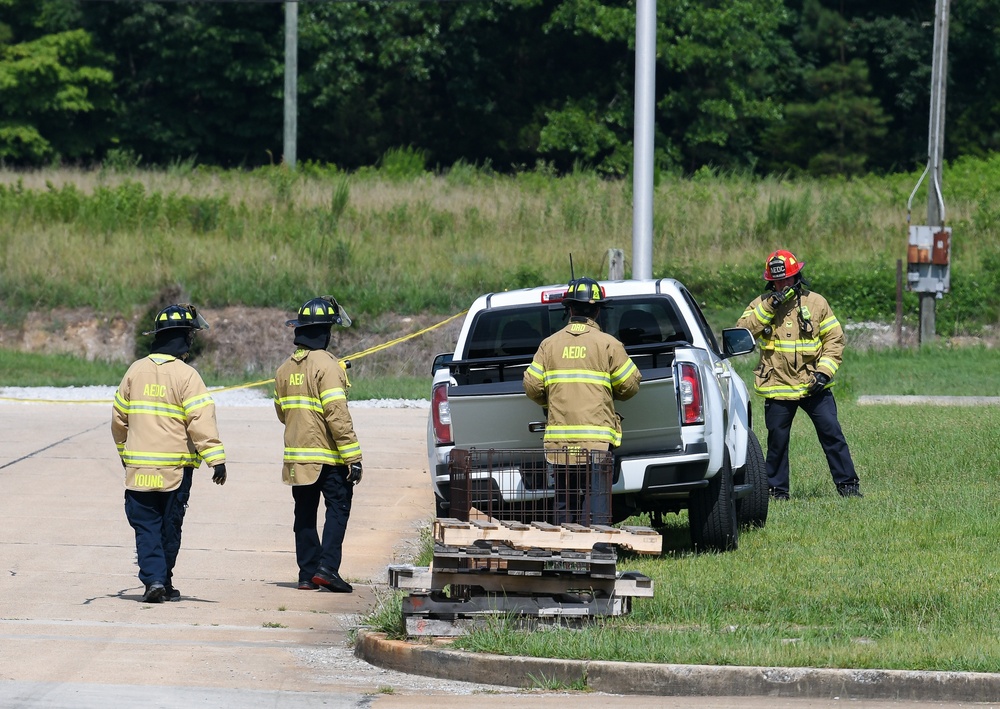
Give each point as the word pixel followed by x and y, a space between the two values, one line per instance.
pixel 906 578
pixel 383 240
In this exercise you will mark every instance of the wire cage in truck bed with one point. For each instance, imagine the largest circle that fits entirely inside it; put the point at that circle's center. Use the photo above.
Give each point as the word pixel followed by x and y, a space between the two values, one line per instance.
pixel 520 485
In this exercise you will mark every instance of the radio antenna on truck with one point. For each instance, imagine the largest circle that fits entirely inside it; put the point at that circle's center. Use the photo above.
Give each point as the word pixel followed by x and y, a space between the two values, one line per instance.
pixel 572 276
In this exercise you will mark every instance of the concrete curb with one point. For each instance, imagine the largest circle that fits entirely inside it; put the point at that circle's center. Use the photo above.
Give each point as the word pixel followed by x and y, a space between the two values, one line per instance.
pixel 676 680
pixel 913 400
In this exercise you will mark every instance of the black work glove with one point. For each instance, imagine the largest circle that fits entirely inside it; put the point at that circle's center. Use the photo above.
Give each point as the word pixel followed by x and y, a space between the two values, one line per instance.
pixel 219 474
pixel 776 299
pixel 819 383
pixel 354 473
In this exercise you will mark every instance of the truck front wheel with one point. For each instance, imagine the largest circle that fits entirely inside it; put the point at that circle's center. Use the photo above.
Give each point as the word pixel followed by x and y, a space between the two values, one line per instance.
pixel 751 510
pixel 712 513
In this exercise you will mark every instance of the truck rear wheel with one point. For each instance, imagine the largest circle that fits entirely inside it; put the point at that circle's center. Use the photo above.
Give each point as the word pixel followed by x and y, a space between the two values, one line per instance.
pixel 751 510
pixel 712 513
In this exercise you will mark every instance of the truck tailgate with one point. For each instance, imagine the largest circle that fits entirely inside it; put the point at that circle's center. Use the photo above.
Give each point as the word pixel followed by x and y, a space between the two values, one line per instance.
pixel 497 416
pixel 493 416
pixel 650 420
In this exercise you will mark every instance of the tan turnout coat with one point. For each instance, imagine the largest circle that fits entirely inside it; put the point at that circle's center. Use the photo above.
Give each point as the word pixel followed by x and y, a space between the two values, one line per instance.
pixel 800 338
pixel 577 373
pixel 311 400
pixel 163 421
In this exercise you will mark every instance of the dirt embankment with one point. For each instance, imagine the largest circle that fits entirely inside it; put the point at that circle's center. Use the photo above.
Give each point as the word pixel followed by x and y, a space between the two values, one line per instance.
pixel 241 341
pixel 252 342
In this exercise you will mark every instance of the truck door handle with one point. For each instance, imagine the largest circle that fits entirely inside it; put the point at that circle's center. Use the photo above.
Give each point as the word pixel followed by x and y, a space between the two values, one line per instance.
pixel 537 427
pixel 723 372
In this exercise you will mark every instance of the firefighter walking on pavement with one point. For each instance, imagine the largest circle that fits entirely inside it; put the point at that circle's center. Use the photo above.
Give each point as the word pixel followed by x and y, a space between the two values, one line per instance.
pixel 322 456
pixel 801 348
pixel 164 426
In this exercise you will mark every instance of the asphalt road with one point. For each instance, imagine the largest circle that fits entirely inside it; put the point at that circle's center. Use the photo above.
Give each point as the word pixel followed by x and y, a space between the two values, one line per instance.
pixel 73 632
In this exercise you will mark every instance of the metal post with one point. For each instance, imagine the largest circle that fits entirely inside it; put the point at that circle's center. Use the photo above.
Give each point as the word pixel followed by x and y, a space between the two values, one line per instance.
pixel 935 151
pixel 616 264
pixel 291 81
pixel 642 169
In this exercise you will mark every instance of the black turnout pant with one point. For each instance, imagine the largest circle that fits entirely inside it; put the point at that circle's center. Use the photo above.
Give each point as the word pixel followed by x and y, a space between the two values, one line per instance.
pixel 822 410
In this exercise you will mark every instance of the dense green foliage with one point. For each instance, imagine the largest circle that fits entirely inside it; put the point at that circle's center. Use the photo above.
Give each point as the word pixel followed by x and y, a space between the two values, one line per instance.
pixel 817 86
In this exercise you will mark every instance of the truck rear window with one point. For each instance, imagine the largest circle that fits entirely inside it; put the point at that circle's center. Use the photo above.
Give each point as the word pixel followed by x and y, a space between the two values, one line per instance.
pixel 518 330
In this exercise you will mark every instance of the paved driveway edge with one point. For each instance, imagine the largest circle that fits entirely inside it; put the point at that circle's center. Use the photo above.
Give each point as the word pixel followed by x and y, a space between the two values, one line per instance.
pixel 675 680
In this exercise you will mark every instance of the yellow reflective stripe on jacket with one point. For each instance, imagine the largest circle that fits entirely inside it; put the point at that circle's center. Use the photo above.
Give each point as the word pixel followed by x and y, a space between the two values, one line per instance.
pixel 197 402
pixel 155 408
pixel 536 371
pixel 577 376
pixel 828 324
pixel 811 346
pixel 623 372
pixel 764 317
pixel 300 402
pixel 829 364
pixel 563 432
pixel 313 455
pixel 336 394
pixel 351 450
pixel 213 455
pixel 159 459
pixel 776 390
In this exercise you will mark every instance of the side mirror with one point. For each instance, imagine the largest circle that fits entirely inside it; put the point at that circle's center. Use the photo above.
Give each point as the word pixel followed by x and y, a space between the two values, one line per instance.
pixel 737 341
pixel 441 361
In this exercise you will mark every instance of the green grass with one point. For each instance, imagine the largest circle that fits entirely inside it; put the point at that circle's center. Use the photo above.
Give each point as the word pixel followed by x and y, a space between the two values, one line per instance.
pixel 905 578
pixel 385 241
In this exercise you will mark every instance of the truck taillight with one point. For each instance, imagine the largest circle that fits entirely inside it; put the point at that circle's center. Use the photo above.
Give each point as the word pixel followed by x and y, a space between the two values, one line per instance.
pixel 689 391
pixel 441 414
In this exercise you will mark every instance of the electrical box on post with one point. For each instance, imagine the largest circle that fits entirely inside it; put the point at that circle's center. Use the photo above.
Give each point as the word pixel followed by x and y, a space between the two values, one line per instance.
pixel 928 260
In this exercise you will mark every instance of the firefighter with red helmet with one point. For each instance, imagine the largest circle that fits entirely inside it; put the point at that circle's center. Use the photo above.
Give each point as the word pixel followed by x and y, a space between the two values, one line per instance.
pixel 164 426
pixel 322 455
pixel 801 348
pixel 576 374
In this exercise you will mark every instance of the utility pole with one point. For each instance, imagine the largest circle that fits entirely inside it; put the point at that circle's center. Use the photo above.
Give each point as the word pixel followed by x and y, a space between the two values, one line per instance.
pixel 291 81
pixel 642 167
pixel 935 153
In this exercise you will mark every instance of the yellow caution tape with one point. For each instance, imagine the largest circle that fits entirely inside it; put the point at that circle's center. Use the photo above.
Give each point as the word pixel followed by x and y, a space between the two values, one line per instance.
pixel 262 382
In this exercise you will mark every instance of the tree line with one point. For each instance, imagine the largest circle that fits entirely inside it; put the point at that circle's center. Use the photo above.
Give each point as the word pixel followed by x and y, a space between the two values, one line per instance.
pixel 795 86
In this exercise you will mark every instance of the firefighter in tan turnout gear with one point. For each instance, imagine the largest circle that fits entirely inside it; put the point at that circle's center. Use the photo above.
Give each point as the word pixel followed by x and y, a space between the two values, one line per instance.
pixel 801 348
pixel 322 454
pixel 164 426
pixel 576 374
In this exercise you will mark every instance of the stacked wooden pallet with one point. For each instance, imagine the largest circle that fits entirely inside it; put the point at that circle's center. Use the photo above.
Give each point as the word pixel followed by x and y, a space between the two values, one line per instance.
pixel 533 571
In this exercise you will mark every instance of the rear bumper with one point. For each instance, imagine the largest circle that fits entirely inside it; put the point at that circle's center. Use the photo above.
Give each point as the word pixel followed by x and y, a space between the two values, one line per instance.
pixel 674 475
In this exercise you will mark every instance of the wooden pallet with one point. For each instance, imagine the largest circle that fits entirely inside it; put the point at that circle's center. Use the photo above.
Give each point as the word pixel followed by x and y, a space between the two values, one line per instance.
pixel 422 578
pixel 500 558
pixel 427 614
pixel 540 535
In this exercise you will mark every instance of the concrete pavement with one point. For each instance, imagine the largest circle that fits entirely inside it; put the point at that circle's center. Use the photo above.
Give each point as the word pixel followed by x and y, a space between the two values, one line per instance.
pixel 73 632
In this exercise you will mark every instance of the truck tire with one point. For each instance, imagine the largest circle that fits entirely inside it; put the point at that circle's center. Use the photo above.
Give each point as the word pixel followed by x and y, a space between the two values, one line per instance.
pixel 442 508
pixel 712 513
pixel 751 510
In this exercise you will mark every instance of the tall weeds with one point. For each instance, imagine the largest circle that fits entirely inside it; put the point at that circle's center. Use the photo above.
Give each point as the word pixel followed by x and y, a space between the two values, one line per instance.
pixel 402 239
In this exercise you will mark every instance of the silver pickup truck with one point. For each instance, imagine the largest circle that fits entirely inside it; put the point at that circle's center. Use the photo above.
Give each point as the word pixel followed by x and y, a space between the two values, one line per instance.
pixel 687 437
